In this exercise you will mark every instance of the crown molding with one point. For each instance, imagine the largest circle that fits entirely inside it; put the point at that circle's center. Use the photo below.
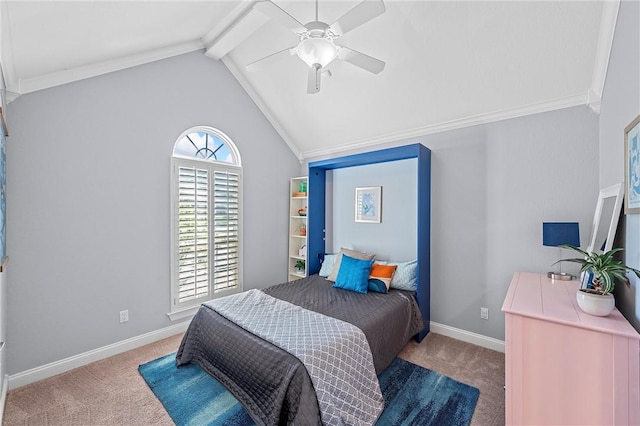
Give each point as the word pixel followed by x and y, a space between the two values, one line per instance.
pixel 58 78
pixel 491 117
pixel 603 52
pixel 262 105
pixel 587 98
pixel 594 100
pixel 7 65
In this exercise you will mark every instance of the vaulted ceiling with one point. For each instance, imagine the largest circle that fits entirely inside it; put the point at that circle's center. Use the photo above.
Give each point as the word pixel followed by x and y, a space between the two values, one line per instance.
pixel 449 64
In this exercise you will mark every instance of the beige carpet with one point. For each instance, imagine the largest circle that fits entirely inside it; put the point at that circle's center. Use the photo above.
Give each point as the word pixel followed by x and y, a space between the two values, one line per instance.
pixel 112 392
pixel 476 366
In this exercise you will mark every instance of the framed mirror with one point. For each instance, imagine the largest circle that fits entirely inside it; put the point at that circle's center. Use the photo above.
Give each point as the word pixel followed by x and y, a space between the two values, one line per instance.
pixel 605 221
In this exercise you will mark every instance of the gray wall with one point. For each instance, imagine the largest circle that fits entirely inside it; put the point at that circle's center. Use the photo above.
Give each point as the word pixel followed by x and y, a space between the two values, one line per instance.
pixel 88 198
pixel 394 238
pixel 492 187
pixel 620 105
pixel 88 201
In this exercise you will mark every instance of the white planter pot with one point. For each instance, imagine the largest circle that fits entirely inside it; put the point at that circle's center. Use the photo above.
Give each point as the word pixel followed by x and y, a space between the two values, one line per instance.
pixel 596 304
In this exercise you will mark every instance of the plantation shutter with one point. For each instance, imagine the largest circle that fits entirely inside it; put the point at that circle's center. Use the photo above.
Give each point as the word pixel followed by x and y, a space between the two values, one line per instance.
pixel 206 220
pixel 226 229
pixel 193 233
pixel 207 237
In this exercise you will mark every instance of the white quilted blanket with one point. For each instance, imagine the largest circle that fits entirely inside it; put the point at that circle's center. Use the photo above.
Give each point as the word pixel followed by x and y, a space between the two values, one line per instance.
pixel 335 353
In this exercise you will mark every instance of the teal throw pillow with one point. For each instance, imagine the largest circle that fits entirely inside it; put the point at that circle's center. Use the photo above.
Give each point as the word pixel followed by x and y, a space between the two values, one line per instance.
pixel 377 286
pixel 353 274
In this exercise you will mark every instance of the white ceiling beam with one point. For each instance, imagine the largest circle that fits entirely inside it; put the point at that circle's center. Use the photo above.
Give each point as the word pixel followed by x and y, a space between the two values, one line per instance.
pixel 238 25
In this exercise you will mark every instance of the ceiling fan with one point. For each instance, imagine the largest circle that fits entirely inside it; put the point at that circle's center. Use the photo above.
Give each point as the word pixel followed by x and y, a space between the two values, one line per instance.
pixel 317 47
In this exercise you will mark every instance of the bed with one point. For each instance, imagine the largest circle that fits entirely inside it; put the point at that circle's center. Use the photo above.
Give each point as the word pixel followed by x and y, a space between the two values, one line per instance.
pixel 275 386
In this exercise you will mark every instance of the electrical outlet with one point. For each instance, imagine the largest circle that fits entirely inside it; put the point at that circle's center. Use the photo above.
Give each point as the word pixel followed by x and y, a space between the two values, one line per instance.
pixel 124 316
pixel 484 313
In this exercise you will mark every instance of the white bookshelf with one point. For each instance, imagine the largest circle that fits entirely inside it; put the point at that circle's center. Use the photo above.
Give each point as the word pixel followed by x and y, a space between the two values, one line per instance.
pixel 297 227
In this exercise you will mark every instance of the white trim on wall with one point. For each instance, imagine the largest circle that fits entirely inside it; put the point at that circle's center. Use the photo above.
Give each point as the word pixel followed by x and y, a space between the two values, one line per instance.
pixel 551 105
pixel 49 370
pixel 3 396
pixel 603 53
pixel 491 117
pixel 263 106
pixel 58 78
pixel 53 368
pixel 467 336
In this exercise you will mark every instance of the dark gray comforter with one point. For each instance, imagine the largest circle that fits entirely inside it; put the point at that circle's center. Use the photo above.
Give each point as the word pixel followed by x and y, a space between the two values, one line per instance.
pixel 273 385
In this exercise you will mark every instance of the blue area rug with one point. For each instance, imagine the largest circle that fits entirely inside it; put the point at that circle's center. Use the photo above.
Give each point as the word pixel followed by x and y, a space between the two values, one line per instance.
pixel 413 396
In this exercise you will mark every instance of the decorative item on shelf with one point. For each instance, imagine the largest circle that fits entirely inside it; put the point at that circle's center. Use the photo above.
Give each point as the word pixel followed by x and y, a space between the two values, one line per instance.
pixel 302 230
pixel 302 187
pixel 600 270
pixel 302 251
pixel 558 234
pixel 299 266
pixel 302 211
pixel 299 194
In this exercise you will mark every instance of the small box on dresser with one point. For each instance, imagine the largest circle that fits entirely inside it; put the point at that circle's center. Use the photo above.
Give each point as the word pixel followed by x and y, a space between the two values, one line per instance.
pixel 562 365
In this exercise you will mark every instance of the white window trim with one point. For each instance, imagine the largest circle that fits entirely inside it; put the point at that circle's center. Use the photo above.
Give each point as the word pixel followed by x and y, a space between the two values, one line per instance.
pixel 178 312
pixel 230 145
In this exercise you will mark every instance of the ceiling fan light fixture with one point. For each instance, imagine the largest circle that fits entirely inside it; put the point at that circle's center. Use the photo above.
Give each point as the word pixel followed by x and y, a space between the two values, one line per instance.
pixel 316 47
pixel 315 50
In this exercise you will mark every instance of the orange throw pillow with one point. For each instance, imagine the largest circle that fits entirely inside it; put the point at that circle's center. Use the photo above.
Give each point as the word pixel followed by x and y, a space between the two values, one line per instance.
pixel 382 273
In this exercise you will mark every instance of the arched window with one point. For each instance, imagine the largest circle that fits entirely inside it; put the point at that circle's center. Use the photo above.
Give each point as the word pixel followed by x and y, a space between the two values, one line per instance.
pixel 206 219
pixel 208 144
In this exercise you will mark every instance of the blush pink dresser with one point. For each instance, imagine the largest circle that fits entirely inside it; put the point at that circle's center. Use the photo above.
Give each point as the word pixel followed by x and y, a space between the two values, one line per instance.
pixel 563 366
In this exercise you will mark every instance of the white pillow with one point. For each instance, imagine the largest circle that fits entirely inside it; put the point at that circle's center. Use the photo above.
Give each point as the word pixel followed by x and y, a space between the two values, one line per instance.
pixel 327 264
pixel 406 275
pixel 351 253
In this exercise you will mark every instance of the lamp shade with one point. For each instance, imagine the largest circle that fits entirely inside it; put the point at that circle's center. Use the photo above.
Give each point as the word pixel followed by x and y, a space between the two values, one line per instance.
pixel 555 234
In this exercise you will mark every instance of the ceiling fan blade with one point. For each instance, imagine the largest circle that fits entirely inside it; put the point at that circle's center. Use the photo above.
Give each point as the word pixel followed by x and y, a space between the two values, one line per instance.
pixel 361 60
pixel 361 13
pixel 274 11
pixel 270 59
pixel 313 80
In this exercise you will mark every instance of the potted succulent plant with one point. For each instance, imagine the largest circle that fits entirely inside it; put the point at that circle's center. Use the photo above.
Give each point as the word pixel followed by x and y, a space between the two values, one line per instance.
pixel 299 266
pixel 602 270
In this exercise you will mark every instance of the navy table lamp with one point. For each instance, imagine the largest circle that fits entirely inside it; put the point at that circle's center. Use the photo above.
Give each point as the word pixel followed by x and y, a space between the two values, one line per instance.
pixel 555 234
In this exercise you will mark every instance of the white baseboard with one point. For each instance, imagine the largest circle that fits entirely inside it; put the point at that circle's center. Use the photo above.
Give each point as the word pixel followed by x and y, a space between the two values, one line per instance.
pixel 467 336
pixel 49 370
pixel 66 364
pixel 3 395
